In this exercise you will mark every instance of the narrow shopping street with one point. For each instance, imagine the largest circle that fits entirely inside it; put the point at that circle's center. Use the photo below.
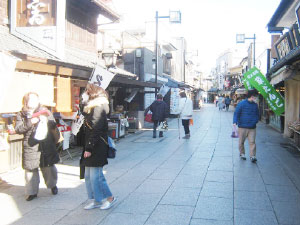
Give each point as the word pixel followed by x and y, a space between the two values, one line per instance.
pixel 174 181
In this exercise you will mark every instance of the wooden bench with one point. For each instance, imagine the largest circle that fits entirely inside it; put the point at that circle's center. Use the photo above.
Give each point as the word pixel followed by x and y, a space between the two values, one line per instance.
pixel 296 136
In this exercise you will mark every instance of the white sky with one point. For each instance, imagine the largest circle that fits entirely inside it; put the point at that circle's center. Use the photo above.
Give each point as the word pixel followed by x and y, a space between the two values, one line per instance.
pixel 208 25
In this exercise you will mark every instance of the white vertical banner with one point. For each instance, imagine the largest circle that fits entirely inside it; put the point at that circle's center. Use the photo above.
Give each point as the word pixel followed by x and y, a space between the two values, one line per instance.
pixel 101 77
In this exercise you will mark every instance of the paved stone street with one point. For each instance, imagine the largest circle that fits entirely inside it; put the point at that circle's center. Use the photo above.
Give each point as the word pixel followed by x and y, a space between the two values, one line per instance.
pixel 174 181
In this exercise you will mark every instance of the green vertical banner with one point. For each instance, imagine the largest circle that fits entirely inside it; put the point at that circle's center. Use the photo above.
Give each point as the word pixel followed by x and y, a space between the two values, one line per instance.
pixel 261 84
pixel 247 84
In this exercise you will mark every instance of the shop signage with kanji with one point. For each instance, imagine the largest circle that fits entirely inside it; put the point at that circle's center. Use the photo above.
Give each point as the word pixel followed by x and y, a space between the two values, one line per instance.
pixel 261 84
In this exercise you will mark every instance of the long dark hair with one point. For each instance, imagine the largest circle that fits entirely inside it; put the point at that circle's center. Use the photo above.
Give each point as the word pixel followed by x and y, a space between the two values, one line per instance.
pixel 26 100
pixel 95 91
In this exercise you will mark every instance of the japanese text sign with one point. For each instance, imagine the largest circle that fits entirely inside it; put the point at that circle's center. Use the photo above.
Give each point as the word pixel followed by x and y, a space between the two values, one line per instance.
pixel 101 77
pixel 261 84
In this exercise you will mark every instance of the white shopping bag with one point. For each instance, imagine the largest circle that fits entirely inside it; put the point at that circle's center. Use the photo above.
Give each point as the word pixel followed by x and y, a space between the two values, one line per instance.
pixel 42 129
pixel 77 124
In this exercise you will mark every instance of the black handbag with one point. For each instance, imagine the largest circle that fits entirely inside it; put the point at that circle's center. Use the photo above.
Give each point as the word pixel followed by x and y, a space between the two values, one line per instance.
pixel 111 154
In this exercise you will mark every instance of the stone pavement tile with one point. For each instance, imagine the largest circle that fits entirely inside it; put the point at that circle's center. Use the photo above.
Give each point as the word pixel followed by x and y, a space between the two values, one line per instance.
pixel 217 189
pixel 254 217
pixel 198 162
pixel 252 200
pixel 219 176
pixel 203 155
pixel 221 166
pixel 223 153
pixel 139 203
pixel 194 169
pixel 276 178
pixel 287 212
pixel 170 215
pixel 241 171
pixel 124 219
pixel 154 186
pixel 283 193
pixel 165 174
pixel 189 181
pixel 249 184
pixel 40 216
pixel 181 196
pixel 210 222
pixel 80 216
pixel 173 164
pixel 214 208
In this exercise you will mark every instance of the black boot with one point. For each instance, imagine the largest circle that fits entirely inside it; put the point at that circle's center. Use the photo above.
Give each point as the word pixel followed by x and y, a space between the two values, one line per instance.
pixel 31 197
pixel 54 190
pixel 161 134
pixel 154 134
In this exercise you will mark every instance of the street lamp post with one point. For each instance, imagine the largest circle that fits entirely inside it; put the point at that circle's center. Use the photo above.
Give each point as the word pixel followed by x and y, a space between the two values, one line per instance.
pixel 174 17
pixel 240 38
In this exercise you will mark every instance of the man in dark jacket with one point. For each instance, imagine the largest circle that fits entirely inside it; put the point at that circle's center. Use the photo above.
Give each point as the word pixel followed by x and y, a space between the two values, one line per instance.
pixel 159 111
pixel 246 116
pixel 227 102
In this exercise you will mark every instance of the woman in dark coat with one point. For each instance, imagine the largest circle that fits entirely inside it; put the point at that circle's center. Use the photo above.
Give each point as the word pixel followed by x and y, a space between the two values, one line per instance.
pixel 37 153
pixel 95 152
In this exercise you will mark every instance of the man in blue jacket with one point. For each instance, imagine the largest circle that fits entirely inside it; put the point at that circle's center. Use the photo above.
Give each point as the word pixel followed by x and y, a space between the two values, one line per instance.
pixel 246 116
pixel 159 111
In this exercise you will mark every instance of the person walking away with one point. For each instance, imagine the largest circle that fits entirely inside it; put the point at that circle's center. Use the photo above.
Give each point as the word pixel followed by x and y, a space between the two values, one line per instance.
pixel 37 153
pixel 186 113
pixel 221 103
pixel 216 100
pixel 95 153
pixel 246 117
pixel 159 111
pixel 227 102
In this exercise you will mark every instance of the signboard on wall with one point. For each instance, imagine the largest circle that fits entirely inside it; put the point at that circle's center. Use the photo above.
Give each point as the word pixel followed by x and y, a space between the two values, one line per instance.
pixel 174 101
pixel 41 23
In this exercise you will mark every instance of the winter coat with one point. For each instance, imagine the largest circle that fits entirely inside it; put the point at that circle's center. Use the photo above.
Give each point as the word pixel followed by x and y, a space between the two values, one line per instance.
pixel 246 114
pixel 96 128
pixel 159 110
pixel 36 153
pixel 185 108
pixel 227 101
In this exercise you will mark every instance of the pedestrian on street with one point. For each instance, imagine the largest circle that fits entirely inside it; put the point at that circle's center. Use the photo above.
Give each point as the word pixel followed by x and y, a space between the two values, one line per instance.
pixel 37 153
pixel 227 102
pixel 186 113
pixel 94 156
pixel 246 116
pixel 221 103
pixel 159 111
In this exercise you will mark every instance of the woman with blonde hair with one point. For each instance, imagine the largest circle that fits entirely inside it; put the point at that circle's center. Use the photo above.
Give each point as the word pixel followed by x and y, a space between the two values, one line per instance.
pixel 94 156
pixel 37 152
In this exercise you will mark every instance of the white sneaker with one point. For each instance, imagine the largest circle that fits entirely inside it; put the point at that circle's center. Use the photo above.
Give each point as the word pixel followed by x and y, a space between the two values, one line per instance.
pixel 92 205
pixel 243 156
pixel 107 204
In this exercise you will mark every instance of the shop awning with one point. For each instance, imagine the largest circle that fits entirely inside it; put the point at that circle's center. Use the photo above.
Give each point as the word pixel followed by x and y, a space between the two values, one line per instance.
pixel 120 80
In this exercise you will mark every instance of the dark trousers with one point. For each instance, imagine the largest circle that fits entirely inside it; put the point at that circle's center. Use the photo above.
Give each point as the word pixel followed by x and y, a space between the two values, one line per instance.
pixel 227 107
pixel 186 124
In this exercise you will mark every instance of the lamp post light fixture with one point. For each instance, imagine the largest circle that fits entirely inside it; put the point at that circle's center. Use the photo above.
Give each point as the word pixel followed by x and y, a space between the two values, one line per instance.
pixel 240 38
pixel 174 17
pixel 110 57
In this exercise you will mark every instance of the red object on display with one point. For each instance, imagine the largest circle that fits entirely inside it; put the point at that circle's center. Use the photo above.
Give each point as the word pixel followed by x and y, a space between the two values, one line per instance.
pixel 42 112
pixel 148 118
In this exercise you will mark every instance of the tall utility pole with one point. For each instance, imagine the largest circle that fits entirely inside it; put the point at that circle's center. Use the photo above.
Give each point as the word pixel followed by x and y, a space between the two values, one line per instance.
pixel 156 52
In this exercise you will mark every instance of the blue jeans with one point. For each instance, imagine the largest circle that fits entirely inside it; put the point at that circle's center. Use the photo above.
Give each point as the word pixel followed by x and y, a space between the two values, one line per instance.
pixel 96 184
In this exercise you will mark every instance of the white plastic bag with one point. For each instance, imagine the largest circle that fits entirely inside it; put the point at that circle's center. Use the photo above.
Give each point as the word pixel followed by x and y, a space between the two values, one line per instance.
pixel 42 129
pixel 77 124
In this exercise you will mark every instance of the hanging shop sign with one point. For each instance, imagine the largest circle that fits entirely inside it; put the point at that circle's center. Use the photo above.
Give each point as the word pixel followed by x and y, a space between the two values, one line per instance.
pixel 41 23
pixel 261 84
pixel 101 77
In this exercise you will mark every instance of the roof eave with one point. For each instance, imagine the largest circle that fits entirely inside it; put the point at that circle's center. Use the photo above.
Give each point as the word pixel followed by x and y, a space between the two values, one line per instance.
pixel 107 11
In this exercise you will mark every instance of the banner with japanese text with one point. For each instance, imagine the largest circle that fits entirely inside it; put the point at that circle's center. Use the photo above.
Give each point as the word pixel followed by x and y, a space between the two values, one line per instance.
pixel 261 84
